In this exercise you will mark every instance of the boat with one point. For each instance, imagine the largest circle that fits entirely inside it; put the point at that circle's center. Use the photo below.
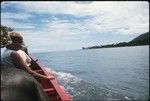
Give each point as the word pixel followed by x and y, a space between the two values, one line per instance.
pixel 50 87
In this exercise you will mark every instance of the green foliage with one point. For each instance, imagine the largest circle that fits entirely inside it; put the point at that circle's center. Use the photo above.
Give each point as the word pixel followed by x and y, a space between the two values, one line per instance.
pixel 5 39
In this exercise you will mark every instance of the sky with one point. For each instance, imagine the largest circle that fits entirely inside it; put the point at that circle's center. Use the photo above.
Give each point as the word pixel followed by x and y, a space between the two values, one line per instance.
pixel 69 25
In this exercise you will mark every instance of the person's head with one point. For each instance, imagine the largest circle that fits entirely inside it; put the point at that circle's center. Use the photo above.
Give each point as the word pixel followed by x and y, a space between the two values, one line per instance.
pixel 16 39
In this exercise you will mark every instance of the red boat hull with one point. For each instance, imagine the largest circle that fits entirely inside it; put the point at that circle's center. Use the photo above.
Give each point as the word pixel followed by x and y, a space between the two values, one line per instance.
pixel 50 87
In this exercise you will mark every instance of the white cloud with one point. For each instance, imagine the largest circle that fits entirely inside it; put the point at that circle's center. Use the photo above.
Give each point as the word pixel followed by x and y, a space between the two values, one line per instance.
pixel 119 17
pixel 19 16
pixel 16 25
pixel 54 36
pixel 9 19
pixel 114 14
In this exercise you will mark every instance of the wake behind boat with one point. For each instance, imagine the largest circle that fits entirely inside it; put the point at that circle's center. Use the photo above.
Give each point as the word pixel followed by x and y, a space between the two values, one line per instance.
pixel 50 87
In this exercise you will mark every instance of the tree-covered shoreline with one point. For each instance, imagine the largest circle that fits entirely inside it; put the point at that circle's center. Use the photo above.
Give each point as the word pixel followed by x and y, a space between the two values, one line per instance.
pixel 143 39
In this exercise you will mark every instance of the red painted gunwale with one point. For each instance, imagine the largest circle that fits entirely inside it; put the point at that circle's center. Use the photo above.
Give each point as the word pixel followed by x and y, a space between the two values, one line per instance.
pixel 50 87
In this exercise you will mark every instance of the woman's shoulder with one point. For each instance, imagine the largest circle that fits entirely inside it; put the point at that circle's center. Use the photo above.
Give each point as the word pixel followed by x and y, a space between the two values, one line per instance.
pixel 21 52
pixel 15 55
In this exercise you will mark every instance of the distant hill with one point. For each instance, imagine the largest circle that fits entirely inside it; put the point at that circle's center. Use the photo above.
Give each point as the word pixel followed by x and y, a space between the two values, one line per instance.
pixel 142 39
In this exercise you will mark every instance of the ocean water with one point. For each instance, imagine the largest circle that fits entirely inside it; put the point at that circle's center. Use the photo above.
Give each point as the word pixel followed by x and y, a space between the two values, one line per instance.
pixel 101 74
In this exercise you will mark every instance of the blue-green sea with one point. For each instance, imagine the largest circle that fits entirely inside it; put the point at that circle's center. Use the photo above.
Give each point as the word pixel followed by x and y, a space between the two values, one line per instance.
pixel 101 74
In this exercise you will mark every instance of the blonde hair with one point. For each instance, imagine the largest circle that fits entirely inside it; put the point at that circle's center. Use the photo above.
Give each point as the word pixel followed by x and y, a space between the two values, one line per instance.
pixel 16 38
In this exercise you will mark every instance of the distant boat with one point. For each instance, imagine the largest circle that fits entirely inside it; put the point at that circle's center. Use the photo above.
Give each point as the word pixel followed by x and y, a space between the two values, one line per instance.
pixel 50 87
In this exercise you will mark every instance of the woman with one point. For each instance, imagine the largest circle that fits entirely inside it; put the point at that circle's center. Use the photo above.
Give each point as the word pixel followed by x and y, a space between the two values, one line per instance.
pixel 25 57
pixel 12 58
